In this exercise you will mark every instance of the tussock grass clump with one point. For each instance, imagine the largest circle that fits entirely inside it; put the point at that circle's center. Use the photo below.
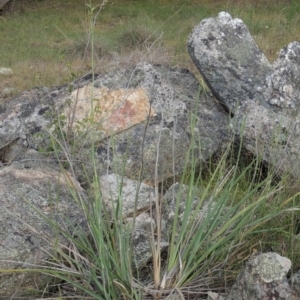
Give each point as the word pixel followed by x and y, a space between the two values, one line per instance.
pixel 239 212
pixel 137 37
pixel 81 49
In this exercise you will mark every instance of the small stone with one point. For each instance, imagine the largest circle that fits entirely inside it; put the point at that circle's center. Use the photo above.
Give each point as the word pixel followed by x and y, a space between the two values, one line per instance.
pixel 6 71
pixel 115 188
pixel 214 296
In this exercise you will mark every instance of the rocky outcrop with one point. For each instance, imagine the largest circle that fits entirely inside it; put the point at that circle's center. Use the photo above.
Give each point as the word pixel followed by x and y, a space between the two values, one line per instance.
pixel 263 97
pixel 141 117
pixel 152 112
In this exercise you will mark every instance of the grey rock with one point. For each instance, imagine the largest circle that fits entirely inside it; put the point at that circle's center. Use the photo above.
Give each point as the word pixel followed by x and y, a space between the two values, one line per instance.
pixel 176 197
pixel 22 117
pixel 117 190
pixel 229 60
pixel 165 138
pixel 263 98
pixel 27 121
pixel 124 192
pixel 275 124
pixel 264 277
pixel 144 226
pixel 295 282
pixel 26 238
pixel 282 86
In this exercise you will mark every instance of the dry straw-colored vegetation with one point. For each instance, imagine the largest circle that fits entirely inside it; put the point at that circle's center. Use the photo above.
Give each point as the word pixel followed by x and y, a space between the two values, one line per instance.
pixel 48 44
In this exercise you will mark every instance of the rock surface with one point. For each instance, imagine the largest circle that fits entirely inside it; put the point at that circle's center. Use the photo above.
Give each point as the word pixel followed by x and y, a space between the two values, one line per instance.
pixel 128 194
pixel 141 122
pixel 142 245
pixel 263 98
pixel 141 118
pixel 165 138
pixel 116 189
pixel 145 110
pixel 229 60
pixel 264 278
pixel 25 236
pixel 294 282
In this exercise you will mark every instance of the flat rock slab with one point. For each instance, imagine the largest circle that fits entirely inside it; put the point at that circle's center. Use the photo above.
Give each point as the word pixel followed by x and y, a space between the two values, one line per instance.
pixel 113 110
pixel 263 98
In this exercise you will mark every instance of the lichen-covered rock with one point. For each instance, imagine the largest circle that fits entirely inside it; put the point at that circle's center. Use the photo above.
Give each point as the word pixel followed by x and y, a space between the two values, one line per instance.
pixel 21 118
pixel 275 122
pixel 141 117
pixel 229 60
pixel 282 85
pixel 263 98
pixel 264 278
pixel 164 138
pixel 145 119
pixel 26 239
pixel 113 110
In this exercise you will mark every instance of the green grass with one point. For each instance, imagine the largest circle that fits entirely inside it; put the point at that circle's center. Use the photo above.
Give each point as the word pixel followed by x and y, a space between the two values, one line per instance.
pixel 250 208
pixel 45 45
